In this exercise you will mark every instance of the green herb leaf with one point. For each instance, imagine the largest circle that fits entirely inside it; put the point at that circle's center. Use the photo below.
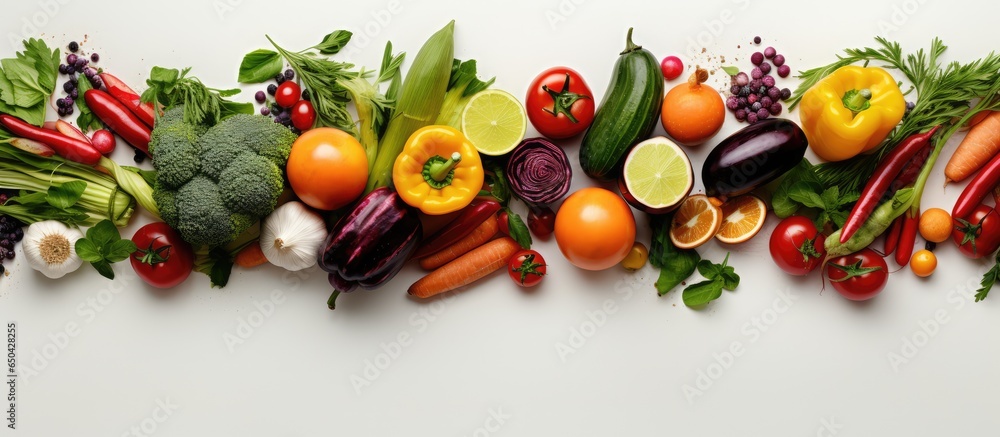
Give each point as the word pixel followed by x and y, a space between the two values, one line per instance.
pixel 202 105
pixel 65 195
pixel 781 202
pixel 675 264
pixel 334 42
pixel 88 251
pixel 104 246
pixel 120 250
pixel 731 70
pixel 222 267
pixel 518 230
pixel 27 81
pixel 87 120
pixel 989 279
pixel 260 65
pixel 702 293
pixel 497 182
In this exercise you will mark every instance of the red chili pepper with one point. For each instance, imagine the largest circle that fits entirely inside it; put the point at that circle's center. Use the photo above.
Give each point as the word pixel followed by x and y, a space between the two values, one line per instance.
pixel 907 238
pixel 128 97
pixel 69 148
pixel 471 217
pixel 912 170
pixel 888 170
pixel 978 188
pixel 892 236
pixel 119 119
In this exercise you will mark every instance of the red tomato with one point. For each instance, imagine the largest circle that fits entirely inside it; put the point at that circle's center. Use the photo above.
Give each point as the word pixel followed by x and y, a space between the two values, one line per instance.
pixel 303 115
pixel 978 235
pixel 797 246
pixel 287 94
pixel 559 103
pixel 672 67
pixel 163 260
pixel 526 268
pixel 542 222
pixel 858 276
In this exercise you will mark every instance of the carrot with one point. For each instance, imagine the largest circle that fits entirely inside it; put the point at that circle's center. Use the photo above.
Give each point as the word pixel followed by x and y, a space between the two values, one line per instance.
pixel 480 235
pixel 980 145
pixel 467 269
pixel 250 256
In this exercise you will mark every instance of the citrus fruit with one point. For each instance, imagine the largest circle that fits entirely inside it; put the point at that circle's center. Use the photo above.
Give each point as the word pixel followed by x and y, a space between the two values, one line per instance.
pixel 595 229
pixel 657 176
pixel 696 221
pixel 742 218
pixel 494 121
pixel 935 225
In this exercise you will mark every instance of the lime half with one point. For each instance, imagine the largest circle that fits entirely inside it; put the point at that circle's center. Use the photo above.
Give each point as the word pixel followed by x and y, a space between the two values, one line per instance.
pixel 494 121
pixel 657 175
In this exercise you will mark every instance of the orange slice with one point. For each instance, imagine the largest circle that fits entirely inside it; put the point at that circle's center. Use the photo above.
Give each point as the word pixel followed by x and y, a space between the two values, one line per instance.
pixel 743 218
pixel 696 221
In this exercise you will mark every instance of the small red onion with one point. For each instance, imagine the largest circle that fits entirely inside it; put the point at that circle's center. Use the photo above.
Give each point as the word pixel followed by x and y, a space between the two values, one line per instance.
pixel 539 171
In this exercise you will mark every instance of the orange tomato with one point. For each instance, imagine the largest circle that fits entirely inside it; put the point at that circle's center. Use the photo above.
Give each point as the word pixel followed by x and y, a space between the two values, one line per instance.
pixel 327 168
pixel 693 112
pixel 595 229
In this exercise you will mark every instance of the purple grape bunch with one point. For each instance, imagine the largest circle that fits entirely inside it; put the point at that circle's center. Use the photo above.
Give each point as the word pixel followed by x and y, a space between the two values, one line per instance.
pixel 11 232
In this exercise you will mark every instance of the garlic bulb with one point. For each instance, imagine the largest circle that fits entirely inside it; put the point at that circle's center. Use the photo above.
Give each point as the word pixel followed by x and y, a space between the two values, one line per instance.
pixel 49 247
pixel 291 236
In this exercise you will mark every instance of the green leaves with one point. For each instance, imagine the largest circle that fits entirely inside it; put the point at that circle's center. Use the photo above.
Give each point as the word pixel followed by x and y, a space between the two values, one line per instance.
pixel 202 105
pixel 27 81
pixel 731 70
pixel 989 279
pixel 56 203
pixel 518 230
pixel 103 246
pixel 87 120
pixel 717 277
pixel 801 188
pixel 675 264
pixel 260 65
pixel 333 42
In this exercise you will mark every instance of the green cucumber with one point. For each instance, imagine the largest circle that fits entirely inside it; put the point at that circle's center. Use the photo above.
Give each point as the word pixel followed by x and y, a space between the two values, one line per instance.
pixel 627 115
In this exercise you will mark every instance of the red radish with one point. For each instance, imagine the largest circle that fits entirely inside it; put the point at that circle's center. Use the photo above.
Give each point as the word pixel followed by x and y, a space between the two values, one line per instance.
pixel 71 131
pixel 128 97
pixel 33 147
pixel 104 141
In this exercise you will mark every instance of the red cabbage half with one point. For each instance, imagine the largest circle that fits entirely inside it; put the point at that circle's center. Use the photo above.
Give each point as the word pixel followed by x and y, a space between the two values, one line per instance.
pixel 539 171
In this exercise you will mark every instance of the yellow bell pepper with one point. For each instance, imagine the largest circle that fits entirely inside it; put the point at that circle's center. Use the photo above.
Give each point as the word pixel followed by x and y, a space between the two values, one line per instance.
pixel 851 111
pixel 439 170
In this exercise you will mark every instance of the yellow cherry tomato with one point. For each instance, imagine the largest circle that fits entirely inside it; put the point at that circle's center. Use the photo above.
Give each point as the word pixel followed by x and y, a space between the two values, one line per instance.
pixel 923 263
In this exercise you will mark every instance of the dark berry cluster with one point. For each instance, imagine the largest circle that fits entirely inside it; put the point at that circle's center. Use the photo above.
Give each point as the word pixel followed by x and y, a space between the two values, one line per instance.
pixel 75 65
pixel 11 232
pixel 756 96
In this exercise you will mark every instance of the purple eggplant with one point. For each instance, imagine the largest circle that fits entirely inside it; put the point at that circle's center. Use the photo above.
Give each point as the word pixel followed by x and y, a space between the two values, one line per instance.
pixel 753 156
pixel 369 245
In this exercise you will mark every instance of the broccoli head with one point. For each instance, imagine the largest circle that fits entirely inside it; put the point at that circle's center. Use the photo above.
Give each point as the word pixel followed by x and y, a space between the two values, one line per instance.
pixel 215 183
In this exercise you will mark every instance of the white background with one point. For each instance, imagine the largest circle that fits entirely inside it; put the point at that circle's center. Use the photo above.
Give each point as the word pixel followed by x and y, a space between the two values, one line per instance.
pixel 819 367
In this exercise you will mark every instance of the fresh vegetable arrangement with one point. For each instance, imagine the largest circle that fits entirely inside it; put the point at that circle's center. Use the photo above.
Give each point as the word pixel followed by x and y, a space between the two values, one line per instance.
pixel 332 171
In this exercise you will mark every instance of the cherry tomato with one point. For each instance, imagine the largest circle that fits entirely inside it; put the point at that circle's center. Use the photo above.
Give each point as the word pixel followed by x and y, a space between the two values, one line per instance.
pixel 327 168
pixel 163 260
pixel 978 235
pixel 287 94
pixel 559 103
pixel 303 115
pixel 526 268
pixel 858 276
pixel 503 223
pixel 797 246
pixel 672 67
pixel 923 263
pixel 595 229
pixel 541 222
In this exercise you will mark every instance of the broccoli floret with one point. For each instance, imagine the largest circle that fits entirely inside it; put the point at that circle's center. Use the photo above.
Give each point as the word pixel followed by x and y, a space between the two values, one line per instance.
pixel 203 218
pixel 214 184
pixel 251 185
pixel 175 154
pixel 234 135
pixel 176 115
pixel 164 198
